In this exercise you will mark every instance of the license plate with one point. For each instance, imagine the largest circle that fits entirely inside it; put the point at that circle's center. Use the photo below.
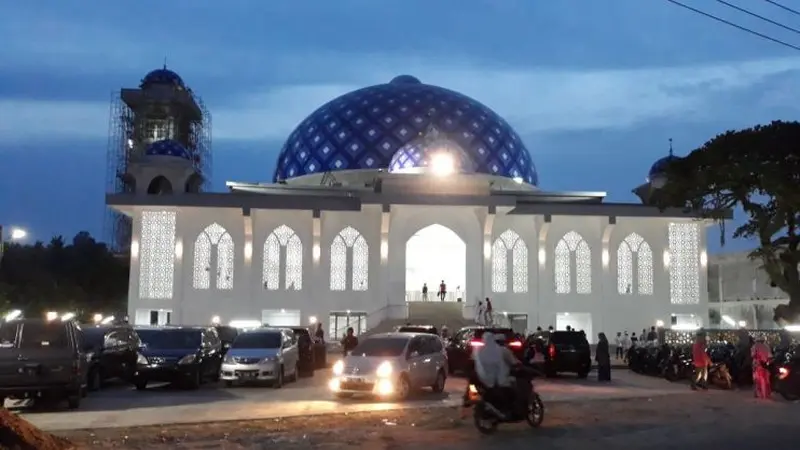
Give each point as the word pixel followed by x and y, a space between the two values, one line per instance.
pixel 356 380
pixel 247 374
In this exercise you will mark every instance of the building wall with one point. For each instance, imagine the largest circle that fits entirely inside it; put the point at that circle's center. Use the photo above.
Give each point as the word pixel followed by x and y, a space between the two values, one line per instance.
pixel 386 233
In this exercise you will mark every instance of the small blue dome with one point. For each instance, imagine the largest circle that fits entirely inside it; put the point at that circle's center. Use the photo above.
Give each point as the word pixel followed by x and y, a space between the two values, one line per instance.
pixel 168 147
pixel 369 129
pixel 162 77
pixel 660 166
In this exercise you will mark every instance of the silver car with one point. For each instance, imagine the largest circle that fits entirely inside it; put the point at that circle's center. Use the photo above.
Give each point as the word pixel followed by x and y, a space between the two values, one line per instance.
pixel 391 365
pixel 264 354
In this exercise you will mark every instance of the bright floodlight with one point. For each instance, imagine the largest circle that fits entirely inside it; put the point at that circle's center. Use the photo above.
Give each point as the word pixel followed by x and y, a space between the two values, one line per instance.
pixel 98 318
pixel 215 320
pixel 51 315
pixel 18 233
pixel 68 316
pixel 742 323
pixel 442 164
pixel 107 320
pixel 14 314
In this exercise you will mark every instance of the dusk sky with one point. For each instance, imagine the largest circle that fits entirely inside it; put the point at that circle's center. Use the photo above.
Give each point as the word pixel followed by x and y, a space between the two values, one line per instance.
pixel 594 88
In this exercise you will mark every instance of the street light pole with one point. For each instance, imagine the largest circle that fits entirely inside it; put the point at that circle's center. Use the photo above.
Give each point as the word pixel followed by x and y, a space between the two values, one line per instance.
pixel 16 234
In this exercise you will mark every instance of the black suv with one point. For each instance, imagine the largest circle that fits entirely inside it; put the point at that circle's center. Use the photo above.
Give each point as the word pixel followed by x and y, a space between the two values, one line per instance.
pixel 460 347
pixel 40 357
pixel 187 356
pixel 567 351
pixel 112 351
pixel 305 347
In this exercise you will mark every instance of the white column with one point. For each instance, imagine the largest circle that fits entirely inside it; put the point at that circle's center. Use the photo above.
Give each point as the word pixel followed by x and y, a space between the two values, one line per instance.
pixel 178 282
pixel 244 279
pixel 133 284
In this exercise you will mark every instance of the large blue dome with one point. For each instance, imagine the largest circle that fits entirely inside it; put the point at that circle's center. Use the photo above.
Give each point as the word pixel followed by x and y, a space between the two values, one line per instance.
pixel 660 167
pixel 366 128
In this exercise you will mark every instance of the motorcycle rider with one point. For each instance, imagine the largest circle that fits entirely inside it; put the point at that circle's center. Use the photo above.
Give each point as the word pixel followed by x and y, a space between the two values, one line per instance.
pixel 493 364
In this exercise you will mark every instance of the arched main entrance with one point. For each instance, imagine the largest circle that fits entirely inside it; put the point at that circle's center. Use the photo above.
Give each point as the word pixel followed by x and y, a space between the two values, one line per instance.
pixel 433 254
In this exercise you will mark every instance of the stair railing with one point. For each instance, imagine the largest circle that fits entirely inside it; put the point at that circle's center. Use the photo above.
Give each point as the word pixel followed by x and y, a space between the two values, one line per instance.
pixel 374 318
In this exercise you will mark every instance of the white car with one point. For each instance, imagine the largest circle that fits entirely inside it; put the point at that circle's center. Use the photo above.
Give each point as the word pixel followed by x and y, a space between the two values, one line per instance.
pixel 264 354
pixel 391 365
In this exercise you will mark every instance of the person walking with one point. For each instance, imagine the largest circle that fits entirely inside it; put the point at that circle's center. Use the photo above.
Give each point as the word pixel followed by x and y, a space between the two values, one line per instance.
pixel 349 342
pixel 442 290
pixel 424 292
pixel 761 354
pixel 489 320
pixel 603 357
pixel 618 344
pixel 479 311
pixel 701 362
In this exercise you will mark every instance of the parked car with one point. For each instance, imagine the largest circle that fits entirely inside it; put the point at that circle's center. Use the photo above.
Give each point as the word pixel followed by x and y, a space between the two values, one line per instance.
pixel 112 352
pixel 568 351
pixel 391 365
pixel 305 347
pixel 42 358
pixel 409 328
pixel 265 354
pixel 460 347
pixel 187 356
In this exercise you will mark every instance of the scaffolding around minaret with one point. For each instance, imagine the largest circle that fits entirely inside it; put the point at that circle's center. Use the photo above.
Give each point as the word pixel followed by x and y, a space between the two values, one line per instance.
pixel 161 109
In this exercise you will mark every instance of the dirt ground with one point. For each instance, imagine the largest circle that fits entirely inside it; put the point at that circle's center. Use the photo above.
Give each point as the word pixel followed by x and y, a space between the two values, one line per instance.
pixel 733 419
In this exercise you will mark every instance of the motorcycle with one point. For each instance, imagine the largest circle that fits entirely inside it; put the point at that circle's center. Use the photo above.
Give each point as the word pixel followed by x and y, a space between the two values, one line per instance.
pixel 785 371
pixel 677 366
pixel 646 360
pixel 488 416
pixel 720 376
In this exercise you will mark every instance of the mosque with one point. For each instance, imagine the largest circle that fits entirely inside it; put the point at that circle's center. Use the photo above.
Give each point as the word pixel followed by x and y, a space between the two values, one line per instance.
pixel 382 191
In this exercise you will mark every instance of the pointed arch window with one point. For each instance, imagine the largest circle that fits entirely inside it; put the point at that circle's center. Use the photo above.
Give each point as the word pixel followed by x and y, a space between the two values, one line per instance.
pixel 349 261
pixel 283 260
pixel 573 244
pixel 509 263
pixel 634 266
pixel 213 258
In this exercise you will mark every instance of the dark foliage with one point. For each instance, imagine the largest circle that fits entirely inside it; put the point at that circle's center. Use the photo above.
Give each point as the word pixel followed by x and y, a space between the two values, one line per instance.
pixel 83 276
pixel 757 169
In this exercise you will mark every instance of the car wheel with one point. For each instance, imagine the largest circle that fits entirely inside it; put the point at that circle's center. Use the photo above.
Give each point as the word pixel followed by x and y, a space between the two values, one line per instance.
pixel 74 401
pixel 403 388
pixel 93 384
pixel 438 385
pixel 278 383
pixel 140 384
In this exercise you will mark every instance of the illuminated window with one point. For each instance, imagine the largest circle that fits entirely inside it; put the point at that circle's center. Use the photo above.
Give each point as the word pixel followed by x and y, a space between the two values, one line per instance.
pixel 283 248
pixel 158 129
pixel 684 263
pixel 633 252
pixel 210 264
pixel 157 255
pixel 509 246
pixel 349 246
pixel 573 243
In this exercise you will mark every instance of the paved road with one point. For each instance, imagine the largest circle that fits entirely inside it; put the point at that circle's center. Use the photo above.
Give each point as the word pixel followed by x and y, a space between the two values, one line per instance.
pixel 126 407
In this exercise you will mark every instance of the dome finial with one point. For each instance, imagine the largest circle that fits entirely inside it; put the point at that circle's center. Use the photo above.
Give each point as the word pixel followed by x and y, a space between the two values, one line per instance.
pixel 165 63
pixel 670 147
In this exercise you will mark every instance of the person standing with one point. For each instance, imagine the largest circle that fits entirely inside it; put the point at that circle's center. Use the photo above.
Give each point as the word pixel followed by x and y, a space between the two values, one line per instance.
pixel 618 344
pixel 442 290
pixel 701 362
pixel 319 334
pixel 489 319
pixel 761 354
pixel 626 346
pixel 603 357
pixel 424 292
pixel 349 342
pixel 652 335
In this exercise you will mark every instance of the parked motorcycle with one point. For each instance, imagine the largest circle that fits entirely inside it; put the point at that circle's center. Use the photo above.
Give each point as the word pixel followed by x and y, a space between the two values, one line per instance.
pixel 720 376
pixel 785 374
pixel 487 416
pixel 678 365
pixel 647 360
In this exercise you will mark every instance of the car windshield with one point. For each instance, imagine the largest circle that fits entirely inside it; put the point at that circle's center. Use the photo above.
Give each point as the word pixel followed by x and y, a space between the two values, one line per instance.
pixel 257 340
pixel 417 329
pixel 93 336
pixel 388 347
pixel 44 334
pixel 8 335
pixel 568 338
pixel 170 339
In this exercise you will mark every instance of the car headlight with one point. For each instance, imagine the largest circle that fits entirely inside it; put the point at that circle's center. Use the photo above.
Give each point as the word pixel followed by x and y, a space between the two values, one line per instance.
pixel 384 370
pixel 89 356
pixel 338 368
pixel 188 359
pixel 228 359
pixel 141 360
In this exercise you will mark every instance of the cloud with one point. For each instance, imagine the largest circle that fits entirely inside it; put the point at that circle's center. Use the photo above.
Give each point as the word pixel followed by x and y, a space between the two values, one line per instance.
pixel 532 100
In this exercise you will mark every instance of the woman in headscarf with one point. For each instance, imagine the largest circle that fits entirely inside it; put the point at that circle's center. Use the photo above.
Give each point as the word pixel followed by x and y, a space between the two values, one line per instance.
pixel 603 357
pixel 761 354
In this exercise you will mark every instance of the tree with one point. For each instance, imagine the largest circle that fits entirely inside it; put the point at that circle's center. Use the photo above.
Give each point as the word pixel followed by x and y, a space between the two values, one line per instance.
pixel 758 170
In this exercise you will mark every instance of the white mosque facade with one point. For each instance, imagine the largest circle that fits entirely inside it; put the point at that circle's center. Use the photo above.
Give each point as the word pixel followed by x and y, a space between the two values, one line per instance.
pixel 389 188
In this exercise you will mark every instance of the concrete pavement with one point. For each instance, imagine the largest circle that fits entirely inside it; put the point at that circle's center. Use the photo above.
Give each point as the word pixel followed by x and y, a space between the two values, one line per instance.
pixel 126 407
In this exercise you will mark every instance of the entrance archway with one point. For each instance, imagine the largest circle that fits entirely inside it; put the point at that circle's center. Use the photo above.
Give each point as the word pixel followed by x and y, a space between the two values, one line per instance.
pixel 433 254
